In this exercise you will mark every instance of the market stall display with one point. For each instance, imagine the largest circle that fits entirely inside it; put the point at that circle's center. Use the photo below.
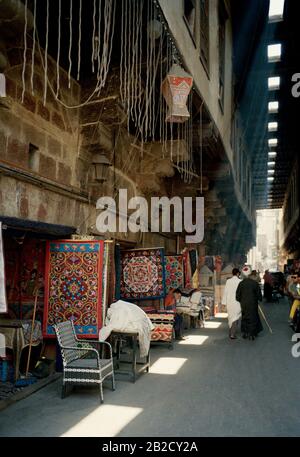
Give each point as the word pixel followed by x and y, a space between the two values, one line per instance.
pixel 140 274
pixel 74 282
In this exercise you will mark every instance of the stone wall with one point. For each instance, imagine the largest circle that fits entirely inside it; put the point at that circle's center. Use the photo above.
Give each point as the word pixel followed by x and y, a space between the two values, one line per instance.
pixel 41 144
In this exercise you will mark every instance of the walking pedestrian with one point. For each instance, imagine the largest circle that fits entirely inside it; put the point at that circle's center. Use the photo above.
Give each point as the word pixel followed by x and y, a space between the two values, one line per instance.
pixel 232 305
pixel 249 294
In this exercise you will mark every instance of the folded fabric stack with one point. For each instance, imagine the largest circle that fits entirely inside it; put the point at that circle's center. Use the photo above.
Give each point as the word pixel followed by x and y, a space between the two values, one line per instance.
pixel 163 326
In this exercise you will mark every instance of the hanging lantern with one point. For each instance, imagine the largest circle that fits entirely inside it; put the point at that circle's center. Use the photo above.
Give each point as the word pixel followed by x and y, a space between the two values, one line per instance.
pixel 176 88
pixel 101 165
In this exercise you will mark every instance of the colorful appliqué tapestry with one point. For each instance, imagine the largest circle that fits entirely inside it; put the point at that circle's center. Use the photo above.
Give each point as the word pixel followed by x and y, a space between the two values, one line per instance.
pixel 24 271
pixel 141 274
pixel 74 282
pixel 174 272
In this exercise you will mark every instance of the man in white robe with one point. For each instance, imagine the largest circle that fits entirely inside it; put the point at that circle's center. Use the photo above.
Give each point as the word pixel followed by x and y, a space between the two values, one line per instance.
pixel 233 306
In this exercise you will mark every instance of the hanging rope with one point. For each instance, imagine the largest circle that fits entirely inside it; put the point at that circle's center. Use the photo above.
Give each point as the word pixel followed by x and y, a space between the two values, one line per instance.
pixel 93 37
pixel 79 40
pixel 98 40
pixel 201 150
pixel 141 99
pixel 25 51
pixel 112 15
pixel 58 50
pixel 122 53
pixel 70 43
pixel 33 47
pixel 46 54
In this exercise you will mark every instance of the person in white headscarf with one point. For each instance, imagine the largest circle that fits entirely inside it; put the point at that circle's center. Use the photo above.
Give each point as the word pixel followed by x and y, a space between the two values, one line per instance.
pixel 232 305
pixel 123 316
pixel 249 294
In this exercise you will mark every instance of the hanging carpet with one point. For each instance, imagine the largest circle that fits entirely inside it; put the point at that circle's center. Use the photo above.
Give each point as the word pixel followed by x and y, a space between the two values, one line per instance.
pixel 141 274
pixel 74 283
pixel 174 272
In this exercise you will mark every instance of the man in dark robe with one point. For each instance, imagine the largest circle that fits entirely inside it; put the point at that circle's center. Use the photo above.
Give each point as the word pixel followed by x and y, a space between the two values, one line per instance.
pixel 249 294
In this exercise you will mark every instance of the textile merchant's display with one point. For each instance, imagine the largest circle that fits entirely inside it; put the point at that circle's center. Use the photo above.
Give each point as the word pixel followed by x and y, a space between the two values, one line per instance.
pixel 163 326
pixel 25 271
pixel 141 274
pixel 127 317
pixel 3 301
pixel 74 284
pixel 174 272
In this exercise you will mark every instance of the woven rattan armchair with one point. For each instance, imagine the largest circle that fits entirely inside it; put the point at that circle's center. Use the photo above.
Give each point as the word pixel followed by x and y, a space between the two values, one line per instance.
pixel 83 360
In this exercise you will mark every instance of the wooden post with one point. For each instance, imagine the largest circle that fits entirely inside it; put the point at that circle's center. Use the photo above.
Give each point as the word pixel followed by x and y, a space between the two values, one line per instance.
pixel 32 328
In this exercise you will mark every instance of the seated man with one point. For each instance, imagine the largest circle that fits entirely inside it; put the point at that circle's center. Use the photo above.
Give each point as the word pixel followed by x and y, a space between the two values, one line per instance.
pixel 172 300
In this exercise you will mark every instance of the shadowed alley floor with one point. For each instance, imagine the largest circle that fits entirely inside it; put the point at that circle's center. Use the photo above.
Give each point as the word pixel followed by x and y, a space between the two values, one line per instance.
pixel 207 386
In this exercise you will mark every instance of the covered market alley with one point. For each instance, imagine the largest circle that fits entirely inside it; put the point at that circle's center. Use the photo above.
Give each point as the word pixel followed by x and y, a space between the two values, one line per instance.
pixel 206 386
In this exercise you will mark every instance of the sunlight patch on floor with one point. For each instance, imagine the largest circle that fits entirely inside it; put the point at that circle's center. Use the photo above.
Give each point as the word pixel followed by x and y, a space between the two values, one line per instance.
pixel 211 324
pixel 105 420
pixel 221 315
pixel 167 365
pixel 195 340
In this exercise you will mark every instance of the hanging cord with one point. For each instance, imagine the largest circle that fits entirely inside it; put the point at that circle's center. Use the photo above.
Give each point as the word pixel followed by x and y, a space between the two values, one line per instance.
pixel 58 50
pixel 126 50
pixel 201 148
pixel 140 71
pixel 46 55
pixel 70 43
pixel 121 53
pixel 128 164
pixel 132 80
pixel 98 39
pixel 160 94
pixel 93 37
pixel 33 47
pixel 53 91
pixel 109 50
pixel 25 51
pixel 79 40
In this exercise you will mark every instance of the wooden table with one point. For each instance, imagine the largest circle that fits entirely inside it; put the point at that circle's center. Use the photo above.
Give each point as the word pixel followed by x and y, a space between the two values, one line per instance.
pixel 137 365
pixel 15 340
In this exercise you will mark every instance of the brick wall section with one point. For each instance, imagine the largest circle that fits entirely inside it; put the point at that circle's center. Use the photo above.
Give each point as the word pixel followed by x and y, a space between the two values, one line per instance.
pixel 47 167
pixel 64 173
pixel 51 128
pixel 17 152
pixel 3 145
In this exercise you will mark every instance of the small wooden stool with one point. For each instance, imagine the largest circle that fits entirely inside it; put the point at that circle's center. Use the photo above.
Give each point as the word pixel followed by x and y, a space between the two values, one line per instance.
pixel 137 366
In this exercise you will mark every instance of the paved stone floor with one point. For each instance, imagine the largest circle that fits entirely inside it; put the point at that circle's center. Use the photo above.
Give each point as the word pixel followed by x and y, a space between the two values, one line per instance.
pixel 207 386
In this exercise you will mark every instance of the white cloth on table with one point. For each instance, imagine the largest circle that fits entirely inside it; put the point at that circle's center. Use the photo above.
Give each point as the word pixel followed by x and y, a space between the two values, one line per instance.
pixel 233 306
pixel 123 316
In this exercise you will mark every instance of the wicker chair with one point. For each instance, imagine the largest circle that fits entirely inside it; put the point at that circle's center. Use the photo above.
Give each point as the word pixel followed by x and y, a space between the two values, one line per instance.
pixel 82 362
